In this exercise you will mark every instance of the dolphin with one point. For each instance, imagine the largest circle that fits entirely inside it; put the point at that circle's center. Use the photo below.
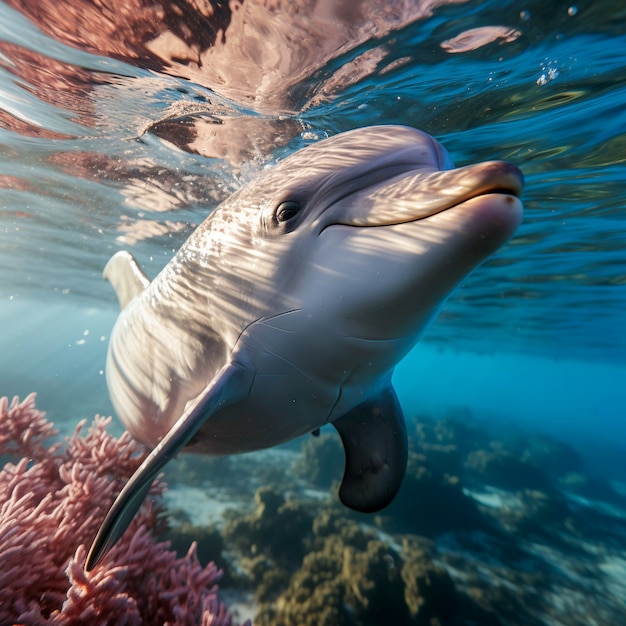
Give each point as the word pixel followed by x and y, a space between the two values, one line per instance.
pixel 290 305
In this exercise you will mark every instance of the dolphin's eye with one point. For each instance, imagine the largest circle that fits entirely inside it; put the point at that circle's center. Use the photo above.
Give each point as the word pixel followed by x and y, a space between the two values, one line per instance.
pixel 286 211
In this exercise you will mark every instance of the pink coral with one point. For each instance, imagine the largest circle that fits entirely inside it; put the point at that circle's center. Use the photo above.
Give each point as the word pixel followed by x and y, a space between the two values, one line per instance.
pixel 52 502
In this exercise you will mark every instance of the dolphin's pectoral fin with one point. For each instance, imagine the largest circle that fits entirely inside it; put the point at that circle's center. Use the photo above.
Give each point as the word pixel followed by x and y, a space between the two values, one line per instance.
pixel 375 442
pixel 232 383
pixel 127 278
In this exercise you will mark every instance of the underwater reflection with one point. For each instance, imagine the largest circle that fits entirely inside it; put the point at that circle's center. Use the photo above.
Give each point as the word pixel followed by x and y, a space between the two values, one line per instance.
pixel 252 52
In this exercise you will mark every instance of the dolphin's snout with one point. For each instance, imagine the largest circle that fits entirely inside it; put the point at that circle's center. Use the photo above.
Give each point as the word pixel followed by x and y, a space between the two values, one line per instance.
pixel 416 193
pixel 496 177
pixel 500 177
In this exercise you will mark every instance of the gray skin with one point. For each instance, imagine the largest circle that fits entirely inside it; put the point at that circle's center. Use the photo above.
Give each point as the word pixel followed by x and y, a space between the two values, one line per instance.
pixel 290 305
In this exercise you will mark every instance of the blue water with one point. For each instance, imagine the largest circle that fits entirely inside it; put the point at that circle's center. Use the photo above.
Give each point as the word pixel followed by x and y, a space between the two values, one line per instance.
pixel 103 146
pixel 82 176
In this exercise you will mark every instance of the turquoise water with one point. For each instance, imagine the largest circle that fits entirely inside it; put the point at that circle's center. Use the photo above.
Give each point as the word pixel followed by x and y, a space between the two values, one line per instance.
pixel 108 143
pixel 85 171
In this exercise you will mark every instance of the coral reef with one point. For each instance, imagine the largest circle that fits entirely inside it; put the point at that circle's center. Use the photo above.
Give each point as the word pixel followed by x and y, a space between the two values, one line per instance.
pixel 52 500
pixel 351 577
pixel 311 565
pixel 480 533
pixel 276 530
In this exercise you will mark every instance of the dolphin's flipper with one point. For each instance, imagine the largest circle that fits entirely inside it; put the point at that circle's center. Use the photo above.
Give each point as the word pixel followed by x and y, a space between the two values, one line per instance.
pixel 232 383
pixel 375 441
pixel 127 278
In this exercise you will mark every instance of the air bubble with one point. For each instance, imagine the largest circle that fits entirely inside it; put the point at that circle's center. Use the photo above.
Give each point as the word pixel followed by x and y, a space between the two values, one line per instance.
pixel 313 135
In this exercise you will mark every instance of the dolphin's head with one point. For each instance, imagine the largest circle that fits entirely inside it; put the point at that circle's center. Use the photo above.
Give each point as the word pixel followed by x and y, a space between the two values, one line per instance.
pixel 375 227
pixel 359 238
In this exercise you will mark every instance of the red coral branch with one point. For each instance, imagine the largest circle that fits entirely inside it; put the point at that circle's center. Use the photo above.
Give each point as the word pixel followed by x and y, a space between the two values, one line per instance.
pixel 53 501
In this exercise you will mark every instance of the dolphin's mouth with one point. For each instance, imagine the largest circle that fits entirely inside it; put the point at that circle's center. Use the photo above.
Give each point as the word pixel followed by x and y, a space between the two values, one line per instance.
pixel 413 194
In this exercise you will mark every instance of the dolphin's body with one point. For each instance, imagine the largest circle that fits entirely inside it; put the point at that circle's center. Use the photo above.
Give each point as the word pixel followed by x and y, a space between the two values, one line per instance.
pixel 289 307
